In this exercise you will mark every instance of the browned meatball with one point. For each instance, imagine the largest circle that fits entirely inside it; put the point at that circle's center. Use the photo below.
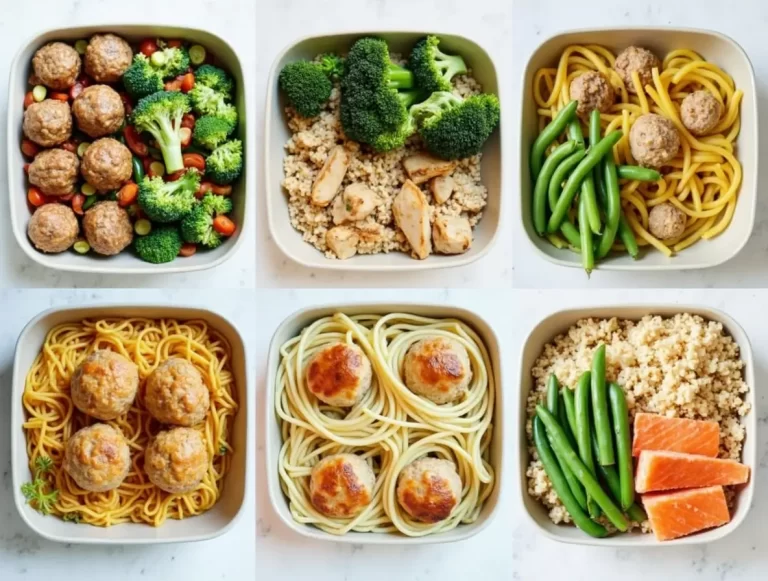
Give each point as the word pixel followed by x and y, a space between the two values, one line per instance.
pixel 97 458
pixel 53 228
pixel 175 393
pixel 98 110
pixel 107 228
pixel 48 123
pixel 105 384
pixel 666 221
pixel 56 65
pixel 176 460
pixel 654 140
pixel 700 112
pixel 55 172
pixel 636 58
pixel 107 57
pixel 593 91
pixel 106 164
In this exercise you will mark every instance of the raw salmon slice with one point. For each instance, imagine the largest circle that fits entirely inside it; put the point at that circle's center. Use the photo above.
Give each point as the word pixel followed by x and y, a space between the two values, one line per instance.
pixel 658 470
pixel 681 513
pixel 654 432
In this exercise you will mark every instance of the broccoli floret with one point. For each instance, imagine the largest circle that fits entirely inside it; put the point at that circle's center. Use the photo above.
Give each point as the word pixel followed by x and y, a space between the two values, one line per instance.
pixel 214 78
pixel 454 128
pixel 161 245
pixel 306 87
pixel 225 164
pixel 160 114
pixel 197 227
pixel 141 78
pixel 332 65
pixel 168 201
pixel 175 62
pixel 374 96
pixel 207 101
pixel 433 69
pixel 210 131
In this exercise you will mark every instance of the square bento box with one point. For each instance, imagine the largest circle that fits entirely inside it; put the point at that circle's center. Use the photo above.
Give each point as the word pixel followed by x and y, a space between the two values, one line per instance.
pixel 713 46
pixel 551 326
pixel 277 134
pixel 213 523
pixel 125 262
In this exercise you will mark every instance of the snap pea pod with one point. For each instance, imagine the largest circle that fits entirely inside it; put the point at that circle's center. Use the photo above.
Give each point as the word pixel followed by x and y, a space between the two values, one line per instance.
pixel 588 185
pixel 561 447
pixel 602 420
pixel 138 169
pixel 594 155
pixel 560 175
pixel 620 417
pixel 583 430
pixel 612 207
pixel 587 250
pixel 611 478
pixel 628 237
pixel 635 172
pixel 595 135
pixel 548 135
pixel 542 184
pixel 571 234
pixel 556 477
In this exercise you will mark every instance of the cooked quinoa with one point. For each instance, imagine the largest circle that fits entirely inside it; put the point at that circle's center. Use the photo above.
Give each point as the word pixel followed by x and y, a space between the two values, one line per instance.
pixel 682 366
pixel 309 146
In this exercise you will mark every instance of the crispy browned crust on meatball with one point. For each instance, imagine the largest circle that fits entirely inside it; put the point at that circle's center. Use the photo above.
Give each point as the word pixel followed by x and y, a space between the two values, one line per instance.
pixel 53 228
pixel 104 385
pixel 106 164
pixel 107 228
pixel 176 460
pixel 48 123
pixel 56 65
pixel 429 489
pixel 636 58
pixel 175 393
pixel 55 172
pixel 97 458
pixel 339 374
pixel 341 485
pixel 107 57
pixel 437 368
pixel 99 110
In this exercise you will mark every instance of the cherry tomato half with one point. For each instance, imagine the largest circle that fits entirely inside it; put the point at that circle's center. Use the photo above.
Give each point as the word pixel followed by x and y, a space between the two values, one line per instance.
pixel 148 47
pixel 135 144
pixel 194 160
pixel 36 197
pixel 187 83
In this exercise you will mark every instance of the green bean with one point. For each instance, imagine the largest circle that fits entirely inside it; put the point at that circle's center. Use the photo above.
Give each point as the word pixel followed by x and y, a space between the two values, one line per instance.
pixel 594 155
pixel 569 403
pixel 560 175
pixel 556 241
pixel 628 237
pixel 600 409
pixel 635 172
pixel 548 135
pixel 556 477
pixel 587 186
pixel 575 133
pixel 553 405
pixel 595 135
pixel 563 449
pixel 609 475
pixel 612 207
pixel 581 408
pixel 553 394
pixel 138 169
pixel 587 250
pixel 542 184
pixel 571 234
pixel 620 417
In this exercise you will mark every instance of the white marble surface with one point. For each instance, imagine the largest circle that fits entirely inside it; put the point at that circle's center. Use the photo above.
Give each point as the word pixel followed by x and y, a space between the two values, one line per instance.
pixel 19 21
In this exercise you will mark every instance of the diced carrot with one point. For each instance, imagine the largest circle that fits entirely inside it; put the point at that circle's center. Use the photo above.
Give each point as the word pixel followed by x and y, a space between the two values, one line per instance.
pixel 60 96
pixel 29 148
pixel 187 83
pixel 77 204
pixel 127 194
pixel 174 85
pixel 194 160
pixel 223 225
pixel 36 197
pixel 29 98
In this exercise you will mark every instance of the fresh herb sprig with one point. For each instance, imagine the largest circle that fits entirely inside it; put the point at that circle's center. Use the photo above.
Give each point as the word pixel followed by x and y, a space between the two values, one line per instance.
pixel 36 491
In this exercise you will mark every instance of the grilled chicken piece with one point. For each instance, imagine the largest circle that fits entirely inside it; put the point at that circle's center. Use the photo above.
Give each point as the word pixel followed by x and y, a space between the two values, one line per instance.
pixel 422 167
pixel 330 177
pixel 441 188
pixel 451 235
pixel 342 240
pixel 355 203
pixel 411 211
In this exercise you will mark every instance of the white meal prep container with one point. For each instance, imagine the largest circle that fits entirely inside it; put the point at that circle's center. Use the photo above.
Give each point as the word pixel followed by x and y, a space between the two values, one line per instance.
pixel 544 332
pixel 291 328
pixel 276 135
pixel 126 262
pixel 713 46
pixel 218 520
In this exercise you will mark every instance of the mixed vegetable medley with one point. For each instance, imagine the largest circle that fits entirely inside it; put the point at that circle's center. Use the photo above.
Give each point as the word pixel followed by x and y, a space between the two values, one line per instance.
pixel 130 148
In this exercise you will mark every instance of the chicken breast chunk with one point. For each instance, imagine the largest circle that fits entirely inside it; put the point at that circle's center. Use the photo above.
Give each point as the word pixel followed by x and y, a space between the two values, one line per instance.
pixel 422 167
pixel 411 211
pixel 451 235
pixel 356 202
pixel 342 240
pixel 442 188
pixel 330 177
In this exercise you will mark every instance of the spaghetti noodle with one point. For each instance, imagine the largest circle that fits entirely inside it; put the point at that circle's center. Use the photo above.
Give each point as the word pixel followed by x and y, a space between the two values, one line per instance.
pixel 52 417
pixel 390 427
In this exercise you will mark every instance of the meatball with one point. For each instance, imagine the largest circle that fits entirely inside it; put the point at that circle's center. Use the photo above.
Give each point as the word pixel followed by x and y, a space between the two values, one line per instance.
pixel 341 485
pixel 593 91
pixel 99 110
pixel 635 58
pixel 438 369
pixel 429 489
pixel 107 228
pixel 56 65
pixel 654 140
pixel 175 393
pixel 104 385
pixel 700 112
pixel 55 172
pixel 53 228
pixel 97 458
pixel 176 460
pixel 666 221
pixel 48 123
pixel 107 57
pixel 339 374
pixel 107 164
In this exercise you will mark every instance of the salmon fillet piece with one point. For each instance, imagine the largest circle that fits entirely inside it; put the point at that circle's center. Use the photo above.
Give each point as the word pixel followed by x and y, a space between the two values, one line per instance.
pixel 681 513
pixel 657 470
pixel 654 432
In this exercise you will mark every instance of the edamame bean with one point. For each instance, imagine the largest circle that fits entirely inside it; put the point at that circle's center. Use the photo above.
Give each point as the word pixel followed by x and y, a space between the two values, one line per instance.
pixel 542 184
pixel 600 409
pixel 620 417
pixel 548 135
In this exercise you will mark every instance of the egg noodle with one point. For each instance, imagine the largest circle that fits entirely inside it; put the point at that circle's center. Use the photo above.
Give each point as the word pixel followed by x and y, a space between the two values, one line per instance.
pixel 52 417
pixel 705 176
pixel 390 427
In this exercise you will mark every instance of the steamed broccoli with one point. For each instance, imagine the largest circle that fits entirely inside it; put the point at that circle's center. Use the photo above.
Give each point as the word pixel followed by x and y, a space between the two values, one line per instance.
pixel 454 128
pixel 374 96
pixel 197 227
pixel 168 201
pixel 332 65
pixel 141 78
pixel 207 101
pixel 225 164
pixel 210 131
pixel 214 78
pixel 172 61
pixel 433 69
pixel 161 245
pixel 306 87
pixel 160 114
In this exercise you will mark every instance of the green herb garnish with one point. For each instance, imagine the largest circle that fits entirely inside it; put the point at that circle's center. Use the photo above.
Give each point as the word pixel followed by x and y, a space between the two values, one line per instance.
pixel 35 491
pixel 223 450
pixel 72 517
